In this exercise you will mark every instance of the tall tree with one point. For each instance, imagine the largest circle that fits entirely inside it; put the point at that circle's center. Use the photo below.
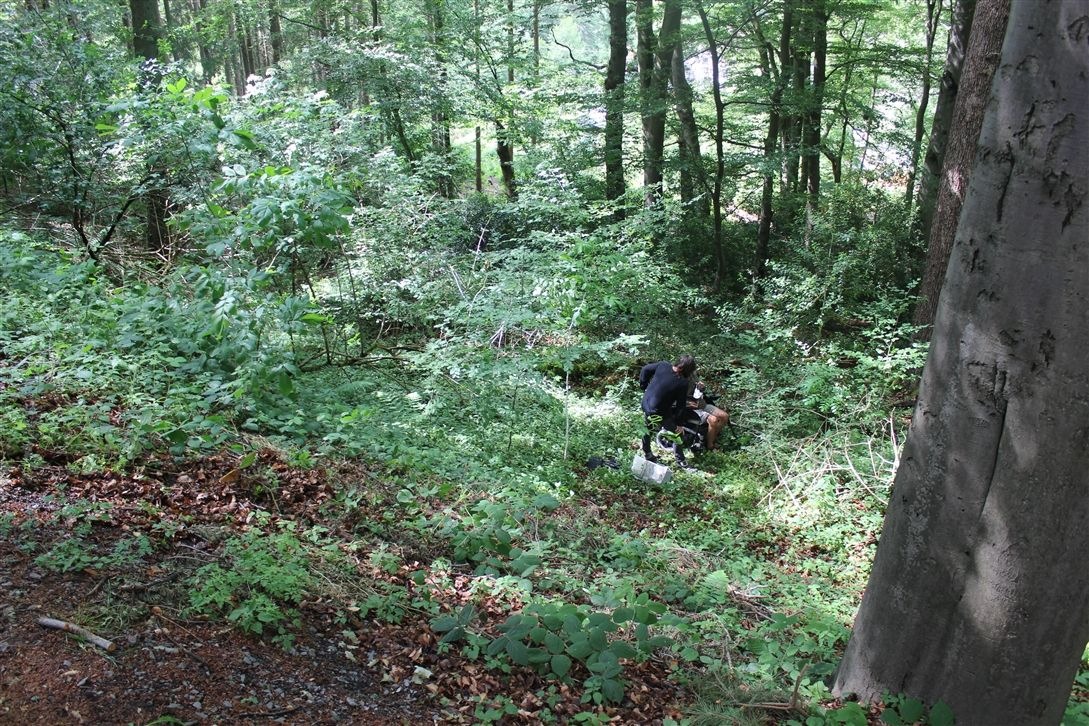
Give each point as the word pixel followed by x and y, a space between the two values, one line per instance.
pixel 693 177
pixel 775 71
pixel 147 30
pixel 504 133
pixel 974 85
pixel 960 27
pixel 933 20
pixel 812 153
pixel 614 101
pixel 979 595
pixel 654 55
pixel 440 121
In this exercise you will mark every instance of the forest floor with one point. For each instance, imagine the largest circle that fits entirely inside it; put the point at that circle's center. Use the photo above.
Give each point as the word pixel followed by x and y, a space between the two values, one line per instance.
pixel 167 667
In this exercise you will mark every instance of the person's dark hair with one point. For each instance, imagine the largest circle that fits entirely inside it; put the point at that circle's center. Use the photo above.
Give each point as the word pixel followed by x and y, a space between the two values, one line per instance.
pixel 685 365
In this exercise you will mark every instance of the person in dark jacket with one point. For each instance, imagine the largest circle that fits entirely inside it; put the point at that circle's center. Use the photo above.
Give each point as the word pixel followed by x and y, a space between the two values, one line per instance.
pixel 665 394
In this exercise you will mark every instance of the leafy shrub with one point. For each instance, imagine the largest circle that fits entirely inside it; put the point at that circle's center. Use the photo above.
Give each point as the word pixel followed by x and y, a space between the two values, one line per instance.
pixel 265 578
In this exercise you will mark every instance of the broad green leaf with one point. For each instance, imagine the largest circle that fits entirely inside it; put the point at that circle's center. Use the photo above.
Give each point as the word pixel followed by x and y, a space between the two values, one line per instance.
pixel 561 664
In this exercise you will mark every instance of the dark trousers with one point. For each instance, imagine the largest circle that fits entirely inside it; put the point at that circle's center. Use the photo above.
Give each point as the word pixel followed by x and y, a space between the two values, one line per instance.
pixel 655 422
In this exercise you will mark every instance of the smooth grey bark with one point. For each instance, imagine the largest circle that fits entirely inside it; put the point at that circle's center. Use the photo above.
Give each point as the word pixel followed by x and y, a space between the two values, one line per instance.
pixel 960 28
pixel 988 29
pixel 979 595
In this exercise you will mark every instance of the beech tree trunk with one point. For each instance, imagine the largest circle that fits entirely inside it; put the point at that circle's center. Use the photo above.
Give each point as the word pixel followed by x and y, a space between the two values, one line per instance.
pixel 614 101
pixel 933 17
pixel 979 595
pixel 819 24
pixel 694 186
pixel 147 28
pixel 960 29
pixel 655 56
pixel 981 60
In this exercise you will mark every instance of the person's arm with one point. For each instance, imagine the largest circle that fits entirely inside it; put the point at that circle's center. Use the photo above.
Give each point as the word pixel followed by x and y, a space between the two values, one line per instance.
pixel 645 375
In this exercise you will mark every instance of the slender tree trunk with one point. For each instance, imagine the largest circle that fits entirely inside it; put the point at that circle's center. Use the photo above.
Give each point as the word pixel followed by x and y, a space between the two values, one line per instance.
pixel 504 149
pixel 275 32
pixel 207 64
pixel 147 29
pixel 771 142
pixel 171 26
pixel 979 594
pixel 813 121
pixel 614 102
pixel 960 29
pixel 654 57
pixel 694 183
pixel 933 19
pixel 479 156
pixel 720 152
pixel 440 121
pixel 973 91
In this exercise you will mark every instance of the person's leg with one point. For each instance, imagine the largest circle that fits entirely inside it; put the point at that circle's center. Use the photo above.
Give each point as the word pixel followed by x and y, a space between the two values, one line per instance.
pixel 716 421
pixel 653 423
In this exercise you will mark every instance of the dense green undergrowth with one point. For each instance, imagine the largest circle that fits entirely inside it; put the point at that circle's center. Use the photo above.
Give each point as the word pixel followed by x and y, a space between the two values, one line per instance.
pixel 747 571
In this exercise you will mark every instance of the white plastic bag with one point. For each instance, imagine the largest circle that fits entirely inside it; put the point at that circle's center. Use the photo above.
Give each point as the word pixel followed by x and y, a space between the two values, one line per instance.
pixel 649 471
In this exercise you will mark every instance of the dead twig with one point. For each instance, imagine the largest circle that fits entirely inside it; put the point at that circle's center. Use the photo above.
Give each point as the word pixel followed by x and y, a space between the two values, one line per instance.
pixel 87 635
pixel 270 714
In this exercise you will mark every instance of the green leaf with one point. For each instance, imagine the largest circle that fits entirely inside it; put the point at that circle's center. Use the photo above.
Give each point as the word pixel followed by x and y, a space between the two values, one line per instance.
pixel 623 615
pixel 580 649
pixel 518 652
pixel 554 643
pixel 244 139
pixel 622 650
pixel 613 689
pixel 454 635
pixel 561 664
pixel 891 717
pixel 941 715
pixel 444 623
pixel 497 645
pixel 547 502
pixel 912 709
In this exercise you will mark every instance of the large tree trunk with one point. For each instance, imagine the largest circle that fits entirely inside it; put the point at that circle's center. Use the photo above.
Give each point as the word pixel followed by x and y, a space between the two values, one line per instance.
pixel 771 142
pixel 981 60
pixel 979 595
pixel 959 31
pixel 614 102
pixel 147 28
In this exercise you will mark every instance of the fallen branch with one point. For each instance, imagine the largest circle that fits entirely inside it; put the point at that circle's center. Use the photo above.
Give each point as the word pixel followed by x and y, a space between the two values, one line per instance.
pixel 87 635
